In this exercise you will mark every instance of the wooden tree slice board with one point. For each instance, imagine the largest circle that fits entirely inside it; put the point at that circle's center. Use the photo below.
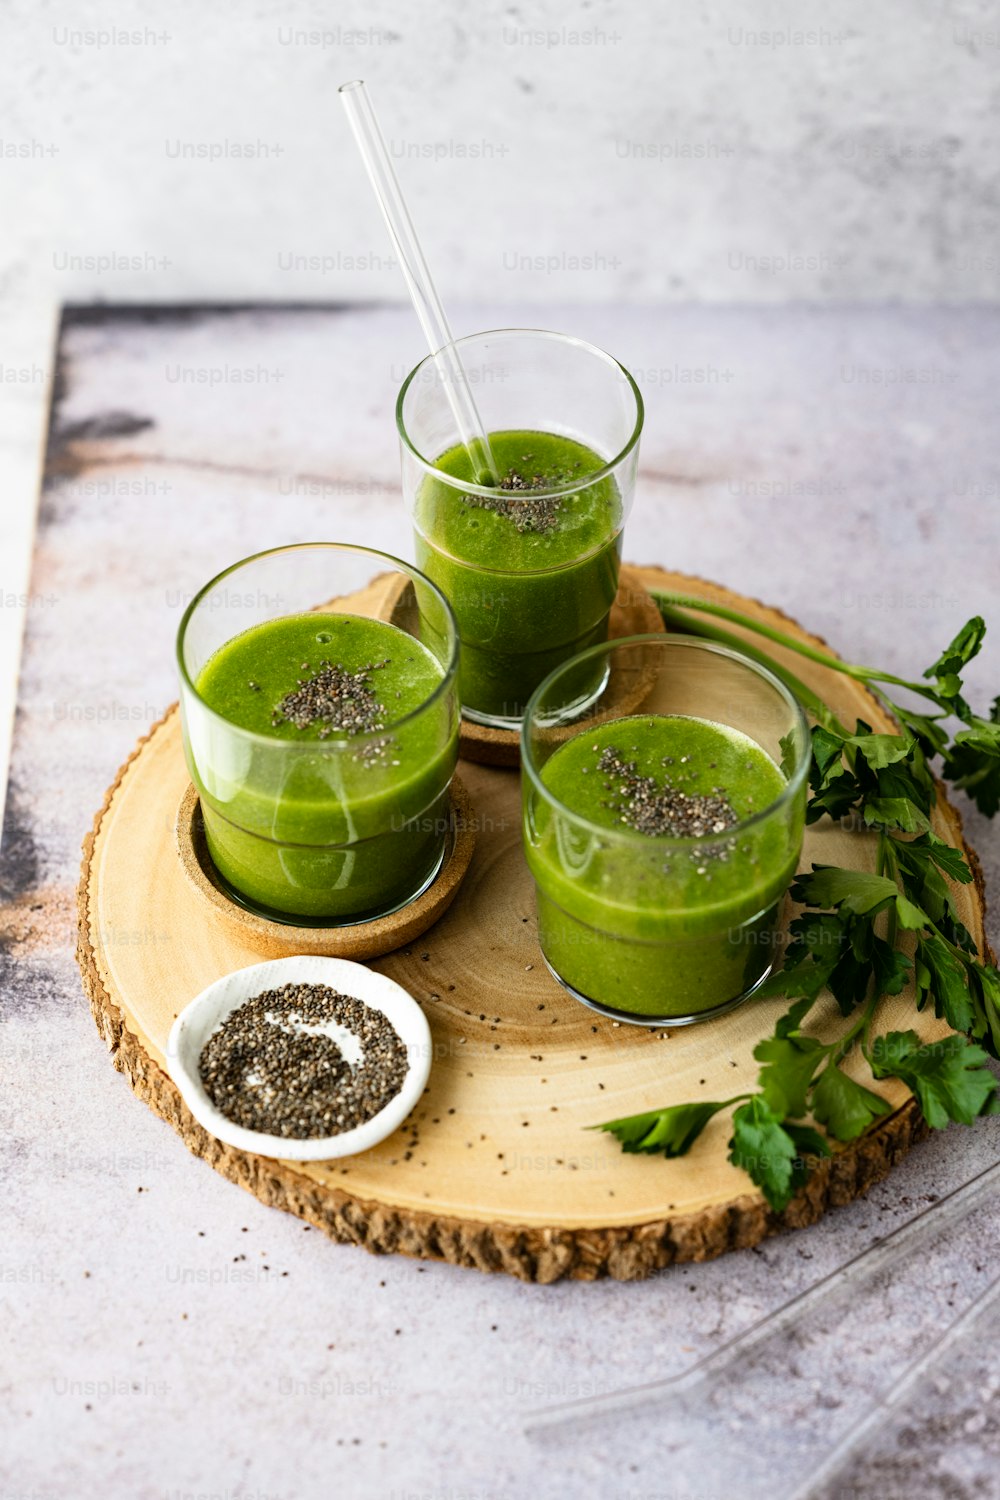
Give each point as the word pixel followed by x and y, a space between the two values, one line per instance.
pixel 494 1169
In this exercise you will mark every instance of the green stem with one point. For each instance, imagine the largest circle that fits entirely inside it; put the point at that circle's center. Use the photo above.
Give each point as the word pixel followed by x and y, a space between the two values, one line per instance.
pixel 841 1049
pixel 892 708
pixel 810 701
pixel 674 602
pixel 887 864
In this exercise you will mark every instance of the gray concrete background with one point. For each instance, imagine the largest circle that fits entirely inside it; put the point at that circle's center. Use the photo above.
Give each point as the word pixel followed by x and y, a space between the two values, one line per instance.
pixel 712 151
pixel 164 1334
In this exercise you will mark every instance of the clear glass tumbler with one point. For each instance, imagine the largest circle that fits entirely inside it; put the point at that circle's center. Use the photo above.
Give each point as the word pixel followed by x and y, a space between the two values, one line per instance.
pixel 319 694
pixel 530 560
pixel 663 826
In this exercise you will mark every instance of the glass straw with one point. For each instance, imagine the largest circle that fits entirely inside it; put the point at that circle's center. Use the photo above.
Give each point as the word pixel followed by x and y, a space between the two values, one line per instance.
pixel 966 1328
pixel 678 1389
pixel 427 304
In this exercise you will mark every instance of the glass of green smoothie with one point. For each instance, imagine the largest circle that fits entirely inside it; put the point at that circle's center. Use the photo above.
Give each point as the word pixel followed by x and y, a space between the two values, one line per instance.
pixel 529 556
pixel 663 826
pixel 319 695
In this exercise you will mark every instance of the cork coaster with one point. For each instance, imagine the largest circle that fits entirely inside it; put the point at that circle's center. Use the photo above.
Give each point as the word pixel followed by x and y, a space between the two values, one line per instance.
pixel 633 613
pixel 362 940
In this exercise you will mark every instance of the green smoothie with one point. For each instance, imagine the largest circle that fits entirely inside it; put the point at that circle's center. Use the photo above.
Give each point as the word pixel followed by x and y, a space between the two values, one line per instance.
pixel 656 897
pixel 531 581
pixel 333 807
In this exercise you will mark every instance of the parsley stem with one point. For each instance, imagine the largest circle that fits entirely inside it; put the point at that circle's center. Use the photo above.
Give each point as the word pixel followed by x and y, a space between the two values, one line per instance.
pixel 708 606
pixel 840 1049
pixel 810 701
pixel 671 605
pixel 887 864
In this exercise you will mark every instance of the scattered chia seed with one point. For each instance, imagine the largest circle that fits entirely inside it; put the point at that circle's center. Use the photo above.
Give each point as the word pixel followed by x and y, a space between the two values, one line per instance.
pixel 648 808
pixel 271 1066
pixel 374 752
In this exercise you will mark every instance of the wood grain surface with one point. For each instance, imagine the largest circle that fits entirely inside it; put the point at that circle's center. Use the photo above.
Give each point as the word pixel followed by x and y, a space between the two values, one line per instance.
pixel 495 1167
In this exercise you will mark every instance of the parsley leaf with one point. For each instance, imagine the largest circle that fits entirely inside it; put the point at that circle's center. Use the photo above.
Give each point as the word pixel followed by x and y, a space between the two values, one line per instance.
pixel 973 762
pixel 881 750
pixel 812 955
pixel 855 891
pixel 929 849
pixel 948 1077
pixel 890 967
pixel 828 751
pixel 845 1107
pixel 941 974
pixel 789 1065
pixel 834 789
pixel 985 986
pixel 895 812
pixel 770 1153
pixel 947 669
pixel 671 1131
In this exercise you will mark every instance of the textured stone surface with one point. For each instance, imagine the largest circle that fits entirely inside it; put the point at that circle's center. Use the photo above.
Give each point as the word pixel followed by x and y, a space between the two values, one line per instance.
pixel 867 510
pixel 620 151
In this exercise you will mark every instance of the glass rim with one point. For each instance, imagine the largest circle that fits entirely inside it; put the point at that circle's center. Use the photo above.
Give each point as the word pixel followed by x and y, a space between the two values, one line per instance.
pixel 489 491
pixel 630 835
pixel 330 743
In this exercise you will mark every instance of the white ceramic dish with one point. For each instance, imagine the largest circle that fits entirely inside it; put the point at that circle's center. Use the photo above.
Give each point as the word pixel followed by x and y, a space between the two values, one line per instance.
pixel 198 1020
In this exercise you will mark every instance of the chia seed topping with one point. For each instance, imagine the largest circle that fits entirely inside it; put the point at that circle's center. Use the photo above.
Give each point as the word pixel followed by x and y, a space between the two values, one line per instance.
pixel 273 1065
pixel 539 514
pixel 337 699
pixel 643 805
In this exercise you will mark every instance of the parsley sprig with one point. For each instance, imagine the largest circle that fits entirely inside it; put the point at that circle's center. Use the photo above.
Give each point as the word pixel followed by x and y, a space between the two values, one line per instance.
pixel 863 935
